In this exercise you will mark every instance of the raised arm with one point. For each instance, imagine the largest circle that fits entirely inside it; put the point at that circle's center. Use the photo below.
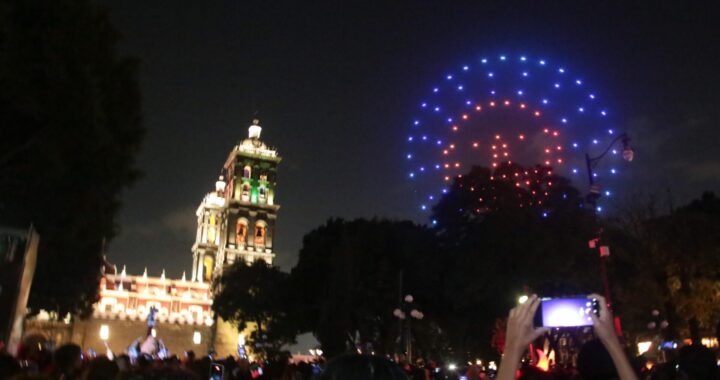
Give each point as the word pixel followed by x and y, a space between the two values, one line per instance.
pixel 519 334
pixel 605 331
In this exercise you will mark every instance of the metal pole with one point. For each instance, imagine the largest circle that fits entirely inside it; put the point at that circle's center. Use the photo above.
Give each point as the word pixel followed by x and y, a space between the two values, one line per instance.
pixel 593 202
pixel 408 341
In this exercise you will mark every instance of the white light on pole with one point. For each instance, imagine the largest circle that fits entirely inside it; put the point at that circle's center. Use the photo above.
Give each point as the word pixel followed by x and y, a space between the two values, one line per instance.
pixel 104 332
pixel 643 347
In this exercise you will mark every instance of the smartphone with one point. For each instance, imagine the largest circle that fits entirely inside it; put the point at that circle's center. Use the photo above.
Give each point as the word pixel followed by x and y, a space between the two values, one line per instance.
pixel 216 371
pixel 566 312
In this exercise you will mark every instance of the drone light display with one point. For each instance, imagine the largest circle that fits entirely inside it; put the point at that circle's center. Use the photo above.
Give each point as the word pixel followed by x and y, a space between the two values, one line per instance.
pixel 502 111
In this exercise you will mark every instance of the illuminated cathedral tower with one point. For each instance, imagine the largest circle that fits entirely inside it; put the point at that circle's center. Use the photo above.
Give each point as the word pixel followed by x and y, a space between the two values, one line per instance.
pixel 237 220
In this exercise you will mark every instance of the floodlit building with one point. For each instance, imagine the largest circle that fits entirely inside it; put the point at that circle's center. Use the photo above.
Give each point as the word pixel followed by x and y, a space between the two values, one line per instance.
pixel 236 221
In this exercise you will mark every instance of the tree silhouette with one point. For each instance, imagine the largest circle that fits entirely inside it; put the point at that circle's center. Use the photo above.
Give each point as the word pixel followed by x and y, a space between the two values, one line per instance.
pixel 71 127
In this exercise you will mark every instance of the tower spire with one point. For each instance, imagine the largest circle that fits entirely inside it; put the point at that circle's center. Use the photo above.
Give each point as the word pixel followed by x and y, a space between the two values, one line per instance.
pixel 255 129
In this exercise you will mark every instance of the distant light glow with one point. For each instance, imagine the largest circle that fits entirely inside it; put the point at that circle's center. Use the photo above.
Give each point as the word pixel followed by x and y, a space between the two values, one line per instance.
pixel 490 74
pixel 484 60
pixel 465 68
pixel 561 70
pixel 557 85
pixel 523 58
pixel 502 57
pixel 578 81
pixel 449 77
pixel 525 73
pixel 542 62
pixel 436 89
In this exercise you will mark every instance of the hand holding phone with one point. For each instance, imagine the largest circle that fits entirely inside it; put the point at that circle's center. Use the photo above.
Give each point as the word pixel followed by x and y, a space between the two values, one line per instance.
pixel 603 322
pixel 520 330
pixel 566 312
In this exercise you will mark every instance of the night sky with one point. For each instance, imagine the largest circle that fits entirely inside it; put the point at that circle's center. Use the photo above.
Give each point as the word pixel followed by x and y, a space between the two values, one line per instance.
pixel 335 85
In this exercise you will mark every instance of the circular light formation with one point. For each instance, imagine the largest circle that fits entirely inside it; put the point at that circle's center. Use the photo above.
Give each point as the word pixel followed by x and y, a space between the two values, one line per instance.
pixel 511 110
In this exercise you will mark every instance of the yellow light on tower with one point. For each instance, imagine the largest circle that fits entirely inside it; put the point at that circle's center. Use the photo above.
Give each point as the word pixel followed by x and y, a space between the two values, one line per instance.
pixel 197 337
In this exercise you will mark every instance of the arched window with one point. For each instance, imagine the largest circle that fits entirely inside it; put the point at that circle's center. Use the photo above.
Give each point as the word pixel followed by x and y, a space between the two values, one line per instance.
pixel 208 266
pixel 247 171
pixel 241 230
pixel 245 196
pixel 262 194
pixel 260 231
pixel 211 233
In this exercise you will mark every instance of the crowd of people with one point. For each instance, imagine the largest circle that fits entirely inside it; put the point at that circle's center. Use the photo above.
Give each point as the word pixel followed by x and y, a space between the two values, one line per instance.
pixel 601 359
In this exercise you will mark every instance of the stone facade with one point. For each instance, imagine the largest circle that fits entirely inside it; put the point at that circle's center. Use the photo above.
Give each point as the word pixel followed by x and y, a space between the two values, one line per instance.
pixel 235 222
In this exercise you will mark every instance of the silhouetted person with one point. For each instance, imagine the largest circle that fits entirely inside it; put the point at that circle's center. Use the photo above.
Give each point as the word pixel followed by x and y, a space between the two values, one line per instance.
pixel 67 362
pixel 594 362
pixel 101 368
pixel 696 362
pixel 361 367
pixel 8 366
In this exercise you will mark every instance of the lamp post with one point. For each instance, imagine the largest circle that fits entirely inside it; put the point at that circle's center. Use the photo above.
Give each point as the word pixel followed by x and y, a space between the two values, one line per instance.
pixel 104 336
pixel 407 310
pixel 592 198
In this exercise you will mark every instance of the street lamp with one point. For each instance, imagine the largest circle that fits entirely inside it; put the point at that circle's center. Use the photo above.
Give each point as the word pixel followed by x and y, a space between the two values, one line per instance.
pixel 104 336
pixel 407 308
pixel 592 198
pixel 104 332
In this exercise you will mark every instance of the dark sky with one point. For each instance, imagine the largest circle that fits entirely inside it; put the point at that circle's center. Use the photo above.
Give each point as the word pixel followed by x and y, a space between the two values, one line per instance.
pixel 335 83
